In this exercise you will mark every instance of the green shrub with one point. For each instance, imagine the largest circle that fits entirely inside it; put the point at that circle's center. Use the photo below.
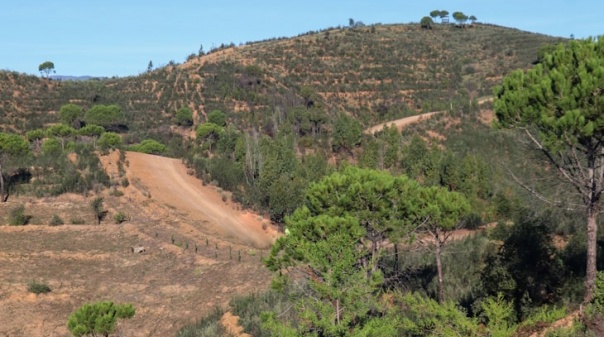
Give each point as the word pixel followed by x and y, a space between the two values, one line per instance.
pixel 110 140
pixel 97 208
pixel 17 216
pixel 184 117
pixel 98 319
pixel 149 146
pixel 55 220
pixel 38 288
pixel 217 117
pixel 125 182
pixel 120 217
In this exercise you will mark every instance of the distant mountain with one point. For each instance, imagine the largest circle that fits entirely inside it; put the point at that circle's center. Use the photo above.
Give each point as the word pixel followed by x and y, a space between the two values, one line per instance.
pixel 75 78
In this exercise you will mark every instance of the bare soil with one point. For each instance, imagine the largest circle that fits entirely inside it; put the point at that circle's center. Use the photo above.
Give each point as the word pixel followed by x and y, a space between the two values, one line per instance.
pixel 402 122
pixel 199 252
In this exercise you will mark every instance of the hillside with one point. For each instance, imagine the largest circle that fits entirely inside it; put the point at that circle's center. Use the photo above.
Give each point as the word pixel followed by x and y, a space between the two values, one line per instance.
pixel 275 125
pixel 375 73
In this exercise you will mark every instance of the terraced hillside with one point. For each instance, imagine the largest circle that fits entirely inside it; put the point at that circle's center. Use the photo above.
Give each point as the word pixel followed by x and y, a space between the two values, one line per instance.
pixel 375 73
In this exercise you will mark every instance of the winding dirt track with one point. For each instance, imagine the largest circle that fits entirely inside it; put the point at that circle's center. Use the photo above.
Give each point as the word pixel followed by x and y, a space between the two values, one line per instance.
pixel 400 123
pixel 169 184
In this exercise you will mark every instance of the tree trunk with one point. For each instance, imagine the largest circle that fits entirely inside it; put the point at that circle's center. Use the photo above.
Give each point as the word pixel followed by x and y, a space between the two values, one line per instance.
pixel 439 267
pixel 592 236
pixel 338 311
pixel 396 259
pixel 3 194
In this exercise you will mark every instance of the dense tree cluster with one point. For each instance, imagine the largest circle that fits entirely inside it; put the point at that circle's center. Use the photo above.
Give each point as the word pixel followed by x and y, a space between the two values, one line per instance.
pixel 459 17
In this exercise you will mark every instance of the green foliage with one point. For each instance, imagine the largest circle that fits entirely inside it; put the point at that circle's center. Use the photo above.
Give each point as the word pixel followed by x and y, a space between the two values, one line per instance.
pixel 558 105
pixel 91 130
pixel 184 116
pixel 12 145
pixel 544 315
pixel 526 270
pixel 61 132
pixel 52 147
pixel 109 117
pixel 209 132
pixel 98 318
pixel 249 309
pixel 14 151
pixel 56 221
pixel 110 140
pixel 462 263
pixel 426 22
pixel 460 17
pixel 383 204
pixel 149 146
pixel 35 135
pixel 598 300
pixel 342 295
pixel 46 68
pixel 71 114
pixel 441 209
pixel 17 216
pixel 97 208
pixel 217 117
pixel 38 288
pixel 421 316
pixel 120 217
pixel 499 316
pixel 347 133
pixel 279 183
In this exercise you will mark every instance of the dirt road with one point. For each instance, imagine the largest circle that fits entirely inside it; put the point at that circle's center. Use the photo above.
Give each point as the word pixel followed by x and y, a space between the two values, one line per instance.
pixel 400 123
pixel 168 183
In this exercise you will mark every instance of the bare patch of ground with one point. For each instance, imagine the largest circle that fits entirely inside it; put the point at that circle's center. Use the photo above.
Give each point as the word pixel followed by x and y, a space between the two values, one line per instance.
pixel 401 123
pixel 199 252
pixel 169 184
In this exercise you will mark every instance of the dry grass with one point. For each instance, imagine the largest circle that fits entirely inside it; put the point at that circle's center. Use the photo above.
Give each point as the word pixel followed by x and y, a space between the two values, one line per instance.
pixel 181 276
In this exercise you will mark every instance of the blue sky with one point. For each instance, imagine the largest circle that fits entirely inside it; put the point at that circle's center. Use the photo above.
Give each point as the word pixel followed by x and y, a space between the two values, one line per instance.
pixel 120 37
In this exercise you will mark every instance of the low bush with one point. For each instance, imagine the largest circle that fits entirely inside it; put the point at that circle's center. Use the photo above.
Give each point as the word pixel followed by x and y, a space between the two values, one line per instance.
pixel 120 217
pixel 56 221
pixel 17 216
pixel 38 288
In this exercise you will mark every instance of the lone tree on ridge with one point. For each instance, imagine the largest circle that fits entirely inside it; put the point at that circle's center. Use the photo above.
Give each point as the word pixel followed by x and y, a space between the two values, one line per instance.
pixel 46 68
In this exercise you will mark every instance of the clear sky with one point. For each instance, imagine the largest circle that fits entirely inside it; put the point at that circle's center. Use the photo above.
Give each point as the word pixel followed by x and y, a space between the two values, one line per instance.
pixel 120 37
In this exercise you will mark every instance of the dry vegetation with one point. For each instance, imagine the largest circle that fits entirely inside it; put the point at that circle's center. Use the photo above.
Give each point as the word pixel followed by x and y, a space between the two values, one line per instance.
pixel 184 272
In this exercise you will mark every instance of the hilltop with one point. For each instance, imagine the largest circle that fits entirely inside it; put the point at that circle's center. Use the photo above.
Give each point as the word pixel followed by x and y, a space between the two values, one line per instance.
pixel 374 73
